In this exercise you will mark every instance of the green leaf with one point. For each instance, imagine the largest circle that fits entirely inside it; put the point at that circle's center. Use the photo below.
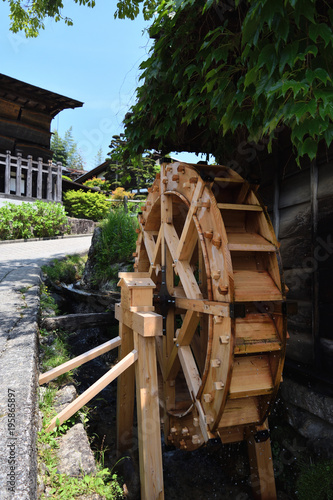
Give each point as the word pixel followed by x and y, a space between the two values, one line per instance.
pixel 250 26
pixel 268 58
pixel 322 30
pixel 288 55
pixel 328 135
pixel 251 77
pixel 322 75
pixel 293 85
pixel 309 147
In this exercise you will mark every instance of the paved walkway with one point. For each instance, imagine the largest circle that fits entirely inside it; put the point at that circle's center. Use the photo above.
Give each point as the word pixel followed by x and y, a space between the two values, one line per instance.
pixel 19 303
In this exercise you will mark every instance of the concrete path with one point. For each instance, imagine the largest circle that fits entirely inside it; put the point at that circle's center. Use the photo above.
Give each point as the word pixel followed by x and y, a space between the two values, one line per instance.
pixel 19 303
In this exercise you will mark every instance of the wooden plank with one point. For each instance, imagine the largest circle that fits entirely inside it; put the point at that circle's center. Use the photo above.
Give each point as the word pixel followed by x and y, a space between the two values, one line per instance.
pixel 71 322
pixel 261 467
pixel 249 242
pixel 255 286
pixel 149 433
pixel 229 180
pixel 256 333
pixel 238 206
pixel 79 360
pixel 240 412
pixel 97 387
pixel 204 306
pixel 251 376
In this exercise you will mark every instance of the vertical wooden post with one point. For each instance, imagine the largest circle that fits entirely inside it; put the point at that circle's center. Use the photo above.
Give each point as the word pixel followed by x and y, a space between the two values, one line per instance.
pixel 7 172
pixel 59 181
pixel 18 174
pixel 149 433
pixel 125 394
pixel 138 321
pixel 49 182
pixel 29 177
pixel 40 179
pixel 261 466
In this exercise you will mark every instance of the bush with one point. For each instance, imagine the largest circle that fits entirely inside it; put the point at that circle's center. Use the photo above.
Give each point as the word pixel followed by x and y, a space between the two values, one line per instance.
pixel 32 220
pixel 82 205
pixel 117 243
pixel 96 182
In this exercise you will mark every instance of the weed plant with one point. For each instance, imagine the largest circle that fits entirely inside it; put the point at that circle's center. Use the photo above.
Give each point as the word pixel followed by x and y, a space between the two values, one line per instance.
pixel 66 270
pixel 32 220
pixel 315 481
pixel 62 486
pixel 117 243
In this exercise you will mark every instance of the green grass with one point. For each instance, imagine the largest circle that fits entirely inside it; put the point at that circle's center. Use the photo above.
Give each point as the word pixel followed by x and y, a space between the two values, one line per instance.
pixel 66 270
pixel 117 245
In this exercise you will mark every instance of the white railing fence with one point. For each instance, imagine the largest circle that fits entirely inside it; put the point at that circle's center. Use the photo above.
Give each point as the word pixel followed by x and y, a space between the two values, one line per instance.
pixel 28 178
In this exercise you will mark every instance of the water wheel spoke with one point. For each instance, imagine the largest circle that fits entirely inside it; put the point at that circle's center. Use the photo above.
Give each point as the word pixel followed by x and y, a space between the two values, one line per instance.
pixel 184 338
pixel 183 268
pixel 188 239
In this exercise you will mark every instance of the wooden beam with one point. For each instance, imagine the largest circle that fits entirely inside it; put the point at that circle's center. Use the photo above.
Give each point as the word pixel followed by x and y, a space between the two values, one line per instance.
pixel 97 387
pixel 204 306
pixel 79 360
pixel 149 426
pixel 190 370
pixel 146 323
pixel 73 321
pixel 261 469
pixel 238 206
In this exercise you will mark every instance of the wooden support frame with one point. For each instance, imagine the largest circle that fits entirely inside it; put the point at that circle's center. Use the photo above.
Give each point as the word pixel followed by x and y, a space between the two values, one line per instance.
pixel 261 465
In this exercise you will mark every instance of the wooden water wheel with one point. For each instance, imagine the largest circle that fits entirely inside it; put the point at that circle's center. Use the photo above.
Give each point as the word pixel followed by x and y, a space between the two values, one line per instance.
pixel 210 248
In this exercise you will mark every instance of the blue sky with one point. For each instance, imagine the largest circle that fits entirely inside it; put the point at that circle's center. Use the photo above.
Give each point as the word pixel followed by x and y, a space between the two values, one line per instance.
pixel 95 61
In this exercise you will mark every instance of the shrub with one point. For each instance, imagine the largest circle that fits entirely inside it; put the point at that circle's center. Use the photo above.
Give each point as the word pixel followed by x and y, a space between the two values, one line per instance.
pixel 96 182
pixel 82 205
pixel 32 220
pixel 117 243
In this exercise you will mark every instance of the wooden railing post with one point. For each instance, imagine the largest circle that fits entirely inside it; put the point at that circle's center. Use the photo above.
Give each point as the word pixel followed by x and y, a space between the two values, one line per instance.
pixel 7 172
pixel 40 178
pixel 59 181
pixel 18 174
pixel 49 182
pixel 29 177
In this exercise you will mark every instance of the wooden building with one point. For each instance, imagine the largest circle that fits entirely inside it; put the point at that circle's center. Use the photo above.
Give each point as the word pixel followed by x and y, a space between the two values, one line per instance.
pixel 26 169
pixel 300 204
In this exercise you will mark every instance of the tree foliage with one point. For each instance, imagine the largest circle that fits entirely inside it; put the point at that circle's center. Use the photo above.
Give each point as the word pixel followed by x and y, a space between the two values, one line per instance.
pixel 129 171
pixel 29 15
pixel 220 73
pixel 65 150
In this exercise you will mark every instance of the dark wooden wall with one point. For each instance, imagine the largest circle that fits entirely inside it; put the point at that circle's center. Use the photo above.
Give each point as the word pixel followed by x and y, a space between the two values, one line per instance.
pixel 24 130
pixel 300 204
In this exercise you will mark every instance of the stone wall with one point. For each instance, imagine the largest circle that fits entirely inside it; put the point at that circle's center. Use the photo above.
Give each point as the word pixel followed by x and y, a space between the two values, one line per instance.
pixel 310 413
pixel 81 226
